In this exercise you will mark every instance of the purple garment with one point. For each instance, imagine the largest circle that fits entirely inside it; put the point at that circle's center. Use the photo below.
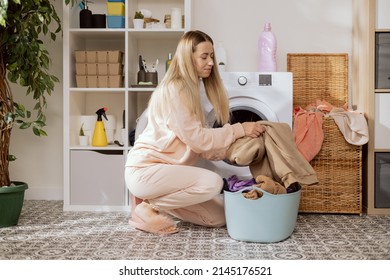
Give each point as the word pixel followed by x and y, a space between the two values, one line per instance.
pixel 235 184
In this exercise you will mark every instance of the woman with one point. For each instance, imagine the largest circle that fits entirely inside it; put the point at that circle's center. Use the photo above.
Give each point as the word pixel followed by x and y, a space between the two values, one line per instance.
pixel 160 169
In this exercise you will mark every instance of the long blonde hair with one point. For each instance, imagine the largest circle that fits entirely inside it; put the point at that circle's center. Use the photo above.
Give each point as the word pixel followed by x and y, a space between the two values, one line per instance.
pixel 182 81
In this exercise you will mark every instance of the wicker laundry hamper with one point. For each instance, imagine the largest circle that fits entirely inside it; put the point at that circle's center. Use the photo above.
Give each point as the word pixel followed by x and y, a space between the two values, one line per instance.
pixel 338 164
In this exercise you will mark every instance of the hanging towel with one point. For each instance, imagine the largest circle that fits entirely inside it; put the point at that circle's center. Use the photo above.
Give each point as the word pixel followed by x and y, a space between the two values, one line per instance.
pixel 308 133
pixel 353 125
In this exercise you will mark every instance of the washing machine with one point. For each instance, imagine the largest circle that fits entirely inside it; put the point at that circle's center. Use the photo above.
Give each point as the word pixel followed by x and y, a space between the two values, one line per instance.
pixel 253 96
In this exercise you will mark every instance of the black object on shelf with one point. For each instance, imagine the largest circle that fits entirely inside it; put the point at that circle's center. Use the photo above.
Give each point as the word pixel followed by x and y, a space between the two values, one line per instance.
pixel 99 21
pixel 86 20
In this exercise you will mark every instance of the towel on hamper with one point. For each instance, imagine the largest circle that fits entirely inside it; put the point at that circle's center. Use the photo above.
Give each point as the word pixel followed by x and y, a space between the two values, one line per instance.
pixel 352 125
pixel 308 133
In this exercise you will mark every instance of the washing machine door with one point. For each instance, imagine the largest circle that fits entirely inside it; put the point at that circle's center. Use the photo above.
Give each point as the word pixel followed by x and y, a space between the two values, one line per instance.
pixel 243 109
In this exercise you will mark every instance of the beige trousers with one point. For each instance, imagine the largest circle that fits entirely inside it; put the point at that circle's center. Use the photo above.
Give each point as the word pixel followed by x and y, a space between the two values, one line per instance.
pixel 186 192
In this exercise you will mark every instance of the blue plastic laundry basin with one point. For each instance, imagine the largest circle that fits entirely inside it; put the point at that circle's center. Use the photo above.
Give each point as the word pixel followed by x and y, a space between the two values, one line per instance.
pixel 271 218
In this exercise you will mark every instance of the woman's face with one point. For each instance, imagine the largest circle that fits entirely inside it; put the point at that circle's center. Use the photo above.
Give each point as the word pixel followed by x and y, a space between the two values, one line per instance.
pixel 203 59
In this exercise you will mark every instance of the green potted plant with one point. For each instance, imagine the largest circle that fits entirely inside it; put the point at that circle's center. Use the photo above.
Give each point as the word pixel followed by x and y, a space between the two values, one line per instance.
pixel 24 60
pixel 138 20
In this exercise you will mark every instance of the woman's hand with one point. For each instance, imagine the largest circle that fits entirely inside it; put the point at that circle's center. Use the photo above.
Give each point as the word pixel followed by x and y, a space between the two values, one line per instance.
pixel 253 129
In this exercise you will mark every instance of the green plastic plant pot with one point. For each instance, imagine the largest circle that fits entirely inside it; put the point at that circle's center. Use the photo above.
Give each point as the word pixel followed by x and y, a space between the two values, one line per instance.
pixel 11 203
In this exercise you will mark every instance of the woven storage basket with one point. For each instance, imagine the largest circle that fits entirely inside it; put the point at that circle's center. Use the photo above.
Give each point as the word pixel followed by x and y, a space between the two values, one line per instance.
pixel 338 164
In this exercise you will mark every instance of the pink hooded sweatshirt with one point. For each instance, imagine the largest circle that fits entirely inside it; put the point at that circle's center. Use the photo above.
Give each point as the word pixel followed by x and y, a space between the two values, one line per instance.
pixel 178 138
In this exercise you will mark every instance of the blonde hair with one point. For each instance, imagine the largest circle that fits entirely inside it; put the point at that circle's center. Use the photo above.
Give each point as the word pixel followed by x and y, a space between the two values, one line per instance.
pixel 182 81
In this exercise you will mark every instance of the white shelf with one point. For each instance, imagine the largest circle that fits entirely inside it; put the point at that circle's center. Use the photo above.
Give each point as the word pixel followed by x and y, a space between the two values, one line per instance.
pixel 107 148
pixel 121 90
pixel 97 31
pixel 142 89
pixel 152 44
pixel 97 89
pixel 156 34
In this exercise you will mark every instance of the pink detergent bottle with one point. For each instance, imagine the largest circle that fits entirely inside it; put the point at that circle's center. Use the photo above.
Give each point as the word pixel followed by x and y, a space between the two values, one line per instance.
pixel 267 50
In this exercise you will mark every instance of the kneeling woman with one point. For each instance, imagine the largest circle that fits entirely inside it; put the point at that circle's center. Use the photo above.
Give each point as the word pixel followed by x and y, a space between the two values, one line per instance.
pixel 160 169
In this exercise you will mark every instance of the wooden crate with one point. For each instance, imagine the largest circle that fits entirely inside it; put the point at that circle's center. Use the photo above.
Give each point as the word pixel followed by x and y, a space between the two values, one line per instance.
pixel 338 164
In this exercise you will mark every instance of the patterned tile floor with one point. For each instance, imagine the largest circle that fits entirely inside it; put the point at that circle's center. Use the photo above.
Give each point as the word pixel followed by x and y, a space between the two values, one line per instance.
pixel 45 232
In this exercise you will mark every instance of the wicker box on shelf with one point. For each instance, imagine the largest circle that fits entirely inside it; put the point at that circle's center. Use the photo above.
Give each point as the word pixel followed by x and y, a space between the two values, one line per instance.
pixel 338 164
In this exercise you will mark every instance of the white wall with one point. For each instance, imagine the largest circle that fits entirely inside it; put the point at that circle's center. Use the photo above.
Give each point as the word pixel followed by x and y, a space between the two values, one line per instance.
pixel 40 159
pixel 301 26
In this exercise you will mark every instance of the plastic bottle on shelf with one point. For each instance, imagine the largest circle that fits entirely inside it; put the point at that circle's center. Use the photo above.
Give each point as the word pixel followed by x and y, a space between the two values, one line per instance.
pixel 176 18
pixel 168 62
pixel 86 19
pixel 221 57
pixel 99 138
pixel 267 50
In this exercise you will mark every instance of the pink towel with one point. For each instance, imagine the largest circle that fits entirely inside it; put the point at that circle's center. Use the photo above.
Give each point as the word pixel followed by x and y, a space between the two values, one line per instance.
pixel 308 133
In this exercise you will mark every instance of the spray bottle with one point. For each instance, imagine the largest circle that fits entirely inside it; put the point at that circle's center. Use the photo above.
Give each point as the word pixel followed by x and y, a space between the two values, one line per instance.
pixel 99 138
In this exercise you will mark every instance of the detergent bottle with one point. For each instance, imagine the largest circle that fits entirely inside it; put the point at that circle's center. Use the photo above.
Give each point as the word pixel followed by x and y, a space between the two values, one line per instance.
pixel 99 138
pixel 267 50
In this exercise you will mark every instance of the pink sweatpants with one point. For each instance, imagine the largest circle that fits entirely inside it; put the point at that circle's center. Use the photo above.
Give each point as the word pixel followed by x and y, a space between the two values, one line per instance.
pixel 186 192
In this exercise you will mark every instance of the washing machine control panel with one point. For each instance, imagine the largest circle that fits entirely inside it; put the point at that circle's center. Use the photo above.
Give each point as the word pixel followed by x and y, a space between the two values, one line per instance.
pixel 242 80
pixel 263 80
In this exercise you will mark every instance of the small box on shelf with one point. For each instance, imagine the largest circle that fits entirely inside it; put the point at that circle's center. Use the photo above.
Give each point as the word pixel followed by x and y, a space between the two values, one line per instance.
pixel 99 69
pixel 109 56
pixel 112 81
pixel 110 69
pixel 116 21
pixel 84 81
pixel 88 56
pixel 115 8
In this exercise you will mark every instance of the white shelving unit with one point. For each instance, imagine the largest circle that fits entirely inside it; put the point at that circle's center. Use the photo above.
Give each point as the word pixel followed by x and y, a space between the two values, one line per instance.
pixel 94 176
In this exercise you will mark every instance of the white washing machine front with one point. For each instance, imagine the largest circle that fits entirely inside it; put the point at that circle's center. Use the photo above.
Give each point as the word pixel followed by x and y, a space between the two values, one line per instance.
pixel 253 96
